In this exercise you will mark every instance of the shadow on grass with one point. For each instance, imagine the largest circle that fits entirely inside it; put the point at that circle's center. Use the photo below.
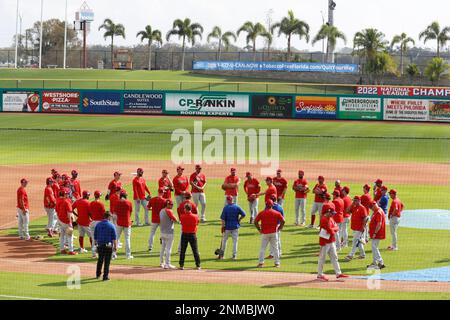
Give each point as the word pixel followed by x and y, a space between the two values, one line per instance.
pixel 64 283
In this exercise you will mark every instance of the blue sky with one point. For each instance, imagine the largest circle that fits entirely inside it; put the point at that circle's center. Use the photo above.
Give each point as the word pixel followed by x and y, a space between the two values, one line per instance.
pixel 390 16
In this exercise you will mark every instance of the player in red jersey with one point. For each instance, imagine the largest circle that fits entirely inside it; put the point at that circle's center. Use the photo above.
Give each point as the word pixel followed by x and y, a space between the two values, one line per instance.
pixel 198 184
pixel 156 204
pixel 301 189
pixel 166 184
pixel 97 211
pixel 113 184
pixel 23 210
pixel 49 206
pixel 252 189
pixel 76 187
pixel 231 186
pixel 140 190
pixel 181 185
pixel 82 207
pixel 280 184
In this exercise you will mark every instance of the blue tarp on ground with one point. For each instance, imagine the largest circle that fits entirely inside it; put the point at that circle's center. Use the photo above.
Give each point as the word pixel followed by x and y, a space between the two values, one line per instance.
pixel 425 275
pixel 436 219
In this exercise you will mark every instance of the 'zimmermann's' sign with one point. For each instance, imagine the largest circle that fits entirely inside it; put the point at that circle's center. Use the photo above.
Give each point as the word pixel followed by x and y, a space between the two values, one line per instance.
pixel 403 91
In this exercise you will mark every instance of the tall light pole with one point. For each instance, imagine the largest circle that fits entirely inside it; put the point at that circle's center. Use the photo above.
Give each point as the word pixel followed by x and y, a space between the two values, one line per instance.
pixel 331 8
pixel 17 36
pixel 65 38
pixel 323 41
pixel 40 36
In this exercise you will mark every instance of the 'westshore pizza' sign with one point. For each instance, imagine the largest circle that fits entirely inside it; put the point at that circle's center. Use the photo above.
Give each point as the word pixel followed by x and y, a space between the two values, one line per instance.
pixel 403 91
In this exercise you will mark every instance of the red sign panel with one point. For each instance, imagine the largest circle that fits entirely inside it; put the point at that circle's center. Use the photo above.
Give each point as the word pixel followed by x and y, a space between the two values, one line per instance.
pixel 60 101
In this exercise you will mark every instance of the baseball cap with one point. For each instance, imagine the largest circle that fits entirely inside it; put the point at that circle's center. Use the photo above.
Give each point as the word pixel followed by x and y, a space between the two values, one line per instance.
pixel 379 181
pixel 301 172
pixel 320 178
pixel 53 170
pixel 49 180
pixel 269 179
pixel 117 173
pixel 23 180
pixel 123 193
pixel 86 193
pixel 356 198
pixel 327 196
pixel 169 202
pixel 384 188
pixel 393 191
pixel 366 186
pixel 229 198
pixel 197 166
pixel 97 194
pixel 74 172
pixel 337 181
pixel 180 168
pixel 187 195
pixel 273 197
pixel 373 203
pixel 140 170
pixel 269 203
pixel 165 171
pixel 248 174
pixel 336 193
pixel 233 169
pixel 279 171
pixel 57 176
pixel 64 176
pixel 346 189
pixel 160 190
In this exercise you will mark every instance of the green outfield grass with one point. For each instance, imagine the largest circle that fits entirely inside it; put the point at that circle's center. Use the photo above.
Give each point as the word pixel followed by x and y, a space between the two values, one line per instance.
pixel 101 139
pixel 149 138
pixel 153 80
pixel 54 287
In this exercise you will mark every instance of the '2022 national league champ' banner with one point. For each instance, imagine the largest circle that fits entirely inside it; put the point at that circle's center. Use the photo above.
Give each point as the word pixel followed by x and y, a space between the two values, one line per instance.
pixel 207 104
pixel 403 91
pixel 360 108
pixel 101 102
pixel 143 102
pixel 272 106
pixel 315 107
pixel 15 101
pixel 275 66
pixel 60 101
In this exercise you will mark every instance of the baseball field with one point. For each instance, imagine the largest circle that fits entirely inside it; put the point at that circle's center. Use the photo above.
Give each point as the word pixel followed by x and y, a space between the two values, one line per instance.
pixel 412 158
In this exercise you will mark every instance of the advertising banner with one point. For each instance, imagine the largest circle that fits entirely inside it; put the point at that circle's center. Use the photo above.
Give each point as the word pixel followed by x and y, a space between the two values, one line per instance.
pixel 272 106
pixel 207 104
pixel 406 109
pixel 315 107
pixel 143 102
pixel 360 109
pixel 15 101
pixel 403 91
pixel 275 66
pixel 439 110
pixel 101 102
pixel 60 101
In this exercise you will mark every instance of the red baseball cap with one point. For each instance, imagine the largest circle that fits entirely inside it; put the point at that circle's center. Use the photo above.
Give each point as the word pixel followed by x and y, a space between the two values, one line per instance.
pixel 57 176
pixel 269 179
pixel 187 195
pixel 49 180
pixel 384 188
pixel 393 191
pixel 336 193
pixel 269 203
pixel 53 171
pixel 301 172
pixel 346 189
pixel 233 169
pixel 23 180
pixel 165 171
pixel 140 170
pixel 64 176
pixel 117 173
pixel 197 166
pixel 123 193
pixel 320 178
pixel 248 174
pixel 74 172
pixel 97 194
pixel 86 193
pixel 169 202
pixel 279 171
pixel 379 181
pixel 180 168
pixel 327 195
pixel 373 203
pixel 356 198
pixel 229 198
pixel 366 186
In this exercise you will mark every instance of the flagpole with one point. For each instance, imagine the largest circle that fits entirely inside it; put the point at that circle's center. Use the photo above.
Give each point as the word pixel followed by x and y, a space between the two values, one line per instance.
pixel 65 38
pixel 17 36
pixel 40 37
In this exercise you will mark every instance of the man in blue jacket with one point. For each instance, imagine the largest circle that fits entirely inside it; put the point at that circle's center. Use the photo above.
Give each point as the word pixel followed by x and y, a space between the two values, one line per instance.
pixel 384 200
pixel 105 238
pixel 231 218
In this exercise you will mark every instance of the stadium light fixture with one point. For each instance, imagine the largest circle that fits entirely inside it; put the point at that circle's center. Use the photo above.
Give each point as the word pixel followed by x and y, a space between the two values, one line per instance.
pixel 65 38
pixel 17 36
pixel 40 35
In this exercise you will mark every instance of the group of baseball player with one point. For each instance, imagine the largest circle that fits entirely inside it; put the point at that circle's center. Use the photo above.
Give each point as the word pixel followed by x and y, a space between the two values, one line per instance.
pixel 67 206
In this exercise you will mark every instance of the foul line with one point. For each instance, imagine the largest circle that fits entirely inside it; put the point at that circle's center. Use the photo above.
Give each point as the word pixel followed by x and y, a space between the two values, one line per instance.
pixel 21 297
pixel 169 133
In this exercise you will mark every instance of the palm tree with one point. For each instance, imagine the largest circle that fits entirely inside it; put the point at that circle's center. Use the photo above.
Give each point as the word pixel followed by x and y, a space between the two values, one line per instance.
pixel 224 38
pixel 290 26
pixel 434 32
pixel 112 30
pixel 435 69
pixel 368 42
pixel 332 34
pixel 187 31
pixel 403 40
pixel 150 35
pixel 253 32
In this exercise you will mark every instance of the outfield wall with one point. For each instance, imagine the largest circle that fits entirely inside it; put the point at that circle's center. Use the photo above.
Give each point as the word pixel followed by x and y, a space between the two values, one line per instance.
pixel 378 105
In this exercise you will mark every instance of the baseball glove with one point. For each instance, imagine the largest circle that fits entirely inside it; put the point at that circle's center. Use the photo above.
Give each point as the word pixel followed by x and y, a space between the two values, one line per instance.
pixel 107 197
pixel 224 186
